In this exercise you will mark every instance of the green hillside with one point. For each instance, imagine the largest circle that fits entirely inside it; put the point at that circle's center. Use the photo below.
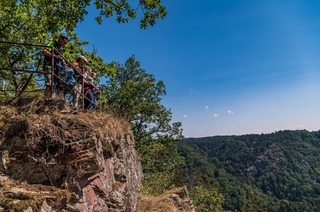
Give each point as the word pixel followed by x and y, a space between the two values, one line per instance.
pixel 274 172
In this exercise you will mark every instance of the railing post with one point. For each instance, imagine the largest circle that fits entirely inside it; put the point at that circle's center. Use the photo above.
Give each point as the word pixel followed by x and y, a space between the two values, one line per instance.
pixel 83 96
pixel 52 71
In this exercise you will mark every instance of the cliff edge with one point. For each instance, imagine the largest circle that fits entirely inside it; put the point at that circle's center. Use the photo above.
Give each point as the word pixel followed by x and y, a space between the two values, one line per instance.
pixel 51 161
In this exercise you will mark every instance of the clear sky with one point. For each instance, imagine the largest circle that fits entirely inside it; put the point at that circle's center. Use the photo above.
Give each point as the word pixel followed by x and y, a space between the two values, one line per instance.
pixel 230 67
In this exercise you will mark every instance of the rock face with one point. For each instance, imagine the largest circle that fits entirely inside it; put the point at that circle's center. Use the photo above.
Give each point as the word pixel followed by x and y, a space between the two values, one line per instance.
pixel 66 162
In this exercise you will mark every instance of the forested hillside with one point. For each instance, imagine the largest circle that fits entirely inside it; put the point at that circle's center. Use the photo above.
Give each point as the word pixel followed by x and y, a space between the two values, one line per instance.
pixel 274 172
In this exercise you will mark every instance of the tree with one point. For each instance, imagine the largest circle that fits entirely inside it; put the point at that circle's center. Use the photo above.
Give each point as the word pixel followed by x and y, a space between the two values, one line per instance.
pixel 124 11
pixel 135 96
pixel 160 161
pixel 56 15
pixel 207 199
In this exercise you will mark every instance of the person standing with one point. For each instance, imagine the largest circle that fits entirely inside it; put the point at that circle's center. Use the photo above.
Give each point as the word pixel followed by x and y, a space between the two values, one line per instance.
pixel 90 101
pixel 79 72
pixel 57 61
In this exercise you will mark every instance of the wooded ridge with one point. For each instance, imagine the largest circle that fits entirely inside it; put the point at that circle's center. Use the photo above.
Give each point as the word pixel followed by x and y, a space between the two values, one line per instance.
pixel 278 171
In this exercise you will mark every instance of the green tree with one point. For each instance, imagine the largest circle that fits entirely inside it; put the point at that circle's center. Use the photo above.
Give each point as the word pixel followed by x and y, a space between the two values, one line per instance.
pixel 206 199
pixel 160 161
pixel 124 10
pixel 135 95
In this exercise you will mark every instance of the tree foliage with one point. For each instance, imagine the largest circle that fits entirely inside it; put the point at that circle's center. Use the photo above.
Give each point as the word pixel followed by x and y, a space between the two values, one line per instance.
pixel 135 95
pixel 160 161
pixel 125 10
pixel 206 200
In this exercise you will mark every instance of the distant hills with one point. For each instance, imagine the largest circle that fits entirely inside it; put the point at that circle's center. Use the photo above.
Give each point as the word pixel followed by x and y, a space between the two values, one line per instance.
pixel 268 172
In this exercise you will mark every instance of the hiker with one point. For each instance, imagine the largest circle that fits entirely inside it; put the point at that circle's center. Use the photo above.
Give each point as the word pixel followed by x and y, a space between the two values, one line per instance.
pixel 79 72
pixel 58 62
pixel 89 87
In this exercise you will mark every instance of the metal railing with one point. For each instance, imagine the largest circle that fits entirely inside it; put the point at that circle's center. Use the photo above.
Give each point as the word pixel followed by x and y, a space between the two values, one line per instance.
pixel 53 75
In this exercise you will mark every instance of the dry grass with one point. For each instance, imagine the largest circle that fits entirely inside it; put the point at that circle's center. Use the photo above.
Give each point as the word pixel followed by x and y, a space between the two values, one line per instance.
pixel 39 115
pixel 161 203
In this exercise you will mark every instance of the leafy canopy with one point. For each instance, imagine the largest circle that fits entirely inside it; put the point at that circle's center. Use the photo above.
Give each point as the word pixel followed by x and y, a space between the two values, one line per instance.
pixel 135 95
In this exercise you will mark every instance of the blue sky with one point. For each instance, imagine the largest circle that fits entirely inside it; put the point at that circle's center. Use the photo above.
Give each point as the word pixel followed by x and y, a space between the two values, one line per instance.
pixel 230 67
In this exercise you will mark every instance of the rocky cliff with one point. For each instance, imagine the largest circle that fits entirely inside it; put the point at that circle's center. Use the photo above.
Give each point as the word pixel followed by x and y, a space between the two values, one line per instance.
pixel 65 162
